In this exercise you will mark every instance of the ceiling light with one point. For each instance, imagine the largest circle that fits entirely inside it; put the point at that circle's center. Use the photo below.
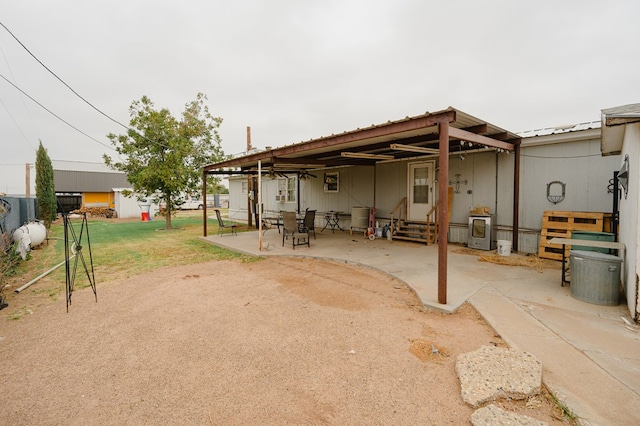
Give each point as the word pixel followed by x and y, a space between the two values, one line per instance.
pixel 409 148
pixel 367 156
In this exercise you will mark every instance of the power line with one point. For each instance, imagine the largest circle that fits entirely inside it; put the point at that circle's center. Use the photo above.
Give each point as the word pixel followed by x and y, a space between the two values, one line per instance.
pixel 55 115
pixel 21 99
pixel 17 125
pixel 79 96
pixel 76 93
pixel 62 81
pixel 553 157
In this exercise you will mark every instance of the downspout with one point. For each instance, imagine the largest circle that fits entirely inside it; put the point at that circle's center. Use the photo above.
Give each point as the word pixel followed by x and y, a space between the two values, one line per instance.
pixel 616 214
pixel 375 172
pixel 249 183
pixel 516 195
pixel 260 205
pixel 495 207
pixel 298 189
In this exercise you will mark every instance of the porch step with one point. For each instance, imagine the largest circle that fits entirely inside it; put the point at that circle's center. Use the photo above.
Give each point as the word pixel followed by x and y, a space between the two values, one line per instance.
pixel 405 238
pixel 414 231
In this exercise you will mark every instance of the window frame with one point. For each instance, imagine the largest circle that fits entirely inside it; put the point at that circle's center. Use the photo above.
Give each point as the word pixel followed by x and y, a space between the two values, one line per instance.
pixel 332 182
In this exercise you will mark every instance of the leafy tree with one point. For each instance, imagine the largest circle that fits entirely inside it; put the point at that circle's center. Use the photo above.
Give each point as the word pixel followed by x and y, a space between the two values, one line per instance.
pixel 164 156
pixel 45 189
pixel 216 188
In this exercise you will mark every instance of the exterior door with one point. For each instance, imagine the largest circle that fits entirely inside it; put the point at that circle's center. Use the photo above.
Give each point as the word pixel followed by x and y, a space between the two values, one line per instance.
pixel 420 196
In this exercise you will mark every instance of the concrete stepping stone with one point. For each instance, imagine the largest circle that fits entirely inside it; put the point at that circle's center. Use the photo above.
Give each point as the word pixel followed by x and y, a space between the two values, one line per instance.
pixel 492 415
pixel 491 373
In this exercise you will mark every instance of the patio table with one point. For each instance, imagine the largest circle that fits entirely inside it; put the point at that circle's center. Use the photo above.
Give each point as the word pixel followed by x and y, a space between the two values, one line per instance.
pixel 271 219
pixel 332 221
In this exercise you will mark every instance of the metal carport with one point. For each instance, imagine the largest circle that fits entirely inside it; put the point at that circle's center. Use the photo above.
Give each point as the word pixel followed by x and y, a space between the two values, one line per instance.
pixel 435 133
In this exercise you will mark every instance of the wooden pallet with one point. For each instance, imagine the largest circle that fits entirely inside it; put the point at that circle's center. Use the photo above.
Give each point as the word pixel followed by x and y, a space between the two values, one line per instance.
pixel 562 224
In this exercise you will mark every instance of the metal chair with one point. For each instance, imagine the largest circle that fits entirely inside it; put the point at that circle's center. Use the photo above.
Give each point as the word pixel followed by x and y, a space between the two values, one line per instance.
pixel 290 229
pixel 308 224
pixel 222 226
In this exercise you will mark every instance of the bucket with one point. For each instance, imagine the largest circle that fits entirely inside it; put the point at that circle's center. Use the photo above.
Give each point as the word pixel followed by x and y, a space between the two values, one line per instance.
pixel 504 248
pixel 145 216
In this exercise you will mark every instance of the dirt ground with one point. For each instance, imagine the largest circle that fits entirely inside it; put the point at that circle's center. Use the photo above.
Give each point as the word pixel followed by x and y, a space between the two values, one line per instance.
pixel 273 342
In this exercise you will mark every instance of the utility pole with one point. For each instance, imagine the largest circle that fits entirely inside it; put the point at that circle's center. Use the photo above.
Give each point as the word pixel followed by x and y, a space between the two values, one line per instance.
pixel 27 170
pixel 27 182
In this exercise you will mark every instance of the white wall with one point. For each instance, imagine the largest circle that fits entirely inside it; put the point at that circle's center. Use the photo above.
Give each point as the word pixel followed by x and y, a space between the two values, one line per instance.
pixel 237 198
pixel 576 161
pixel 127 207
pixel 355 189
pixel 391 186
pixel 629 230
pixel 579 164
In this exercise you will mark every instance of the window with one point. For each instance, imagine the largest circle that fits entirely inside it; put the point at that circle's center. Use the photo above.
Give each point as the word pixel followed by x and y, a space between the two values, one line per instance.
pixel 331 182
pixel 287 189
pixel 245 187
pixel 421 185
pixel 478 228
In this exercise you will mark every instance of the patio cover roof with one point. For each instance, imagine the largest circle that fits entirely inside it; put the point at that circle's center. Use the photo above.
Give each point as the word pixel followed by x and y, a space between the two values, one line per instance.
pixel 393 140
pixel 613 120
pixel 435 134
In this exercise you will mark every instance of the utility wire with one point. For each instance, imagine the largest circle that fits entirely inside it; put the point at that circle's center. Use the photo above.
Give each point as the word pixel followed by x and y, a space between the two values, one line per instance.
pixel 78 95
pixel 55 115
pixel 17 125
pixel 62 81
pixel 553 157
pixel 21 99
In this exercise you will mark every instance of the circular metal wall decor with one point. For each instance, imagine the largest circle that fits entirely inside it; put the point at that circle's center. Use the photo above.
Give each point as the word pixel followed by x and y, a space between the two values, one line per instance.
pixel 556 191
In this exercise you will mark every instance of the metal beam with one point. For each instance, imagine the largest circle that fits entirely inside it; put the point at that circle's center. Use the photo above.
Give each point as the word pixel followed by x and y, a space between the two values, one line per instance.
pixel 479 139
pixel 443 210
pixel 397 127
pixel 297 162
pixel 411 148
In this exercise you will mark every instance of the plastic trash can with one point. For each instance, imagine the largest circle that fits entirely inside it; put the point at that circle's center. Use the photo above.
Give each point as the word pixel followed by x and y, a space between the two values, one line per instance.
pixel 595 277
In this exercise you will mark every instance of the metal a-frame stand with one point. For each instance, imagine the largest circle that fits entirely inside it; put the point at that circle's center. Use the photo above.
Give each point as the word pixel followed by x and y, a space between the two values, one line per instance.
pixel 73 250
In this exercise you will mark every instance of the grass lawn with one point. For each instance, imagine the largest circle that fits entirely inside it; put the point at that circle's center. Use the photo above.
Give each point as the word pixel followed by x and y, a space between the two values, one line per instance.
pixel 123 247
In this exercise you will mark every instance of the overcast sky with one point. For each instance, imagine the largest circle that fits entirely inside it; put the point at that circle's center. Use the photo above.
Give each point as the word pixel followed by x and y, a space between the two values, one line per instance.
pixel 296 70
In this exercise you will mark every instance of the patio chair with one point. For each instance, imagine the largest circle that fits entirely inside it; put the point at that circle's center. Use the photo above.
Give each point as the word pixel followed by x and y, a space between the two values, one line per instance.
pixel 308 223
pixel 222 226
pixel 290 229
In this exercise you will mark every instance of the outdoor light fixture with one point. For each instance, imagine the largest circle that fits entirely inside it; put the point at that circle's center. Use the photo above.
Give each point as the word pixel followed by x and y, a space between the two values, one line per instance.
pixel 623 176
pixel 409 148
pixel 366 156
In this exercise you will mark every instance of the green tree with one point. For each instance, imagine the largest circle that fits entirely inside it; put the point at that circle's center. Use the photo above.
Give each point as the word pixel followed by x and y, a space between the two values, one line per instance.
pixel 45 189
pixel 163 156
pixel 216 187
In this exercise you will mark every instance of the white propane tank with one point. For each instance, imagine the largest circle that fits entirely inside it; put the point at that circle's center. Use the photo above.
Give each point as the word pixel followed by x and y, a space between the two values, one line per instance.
pixel 28 236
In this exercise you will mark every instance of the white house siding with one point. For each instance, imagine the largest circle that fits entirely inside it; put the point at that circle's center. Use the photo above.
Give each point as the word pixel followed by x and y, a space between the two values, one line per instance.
pixel 391 186
pixel 128 207
pixel 576 161
pixel 355 189
pixel 479 172
pixel 629 230
pixel 579 165
pixel 573 158
pixel 237 198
